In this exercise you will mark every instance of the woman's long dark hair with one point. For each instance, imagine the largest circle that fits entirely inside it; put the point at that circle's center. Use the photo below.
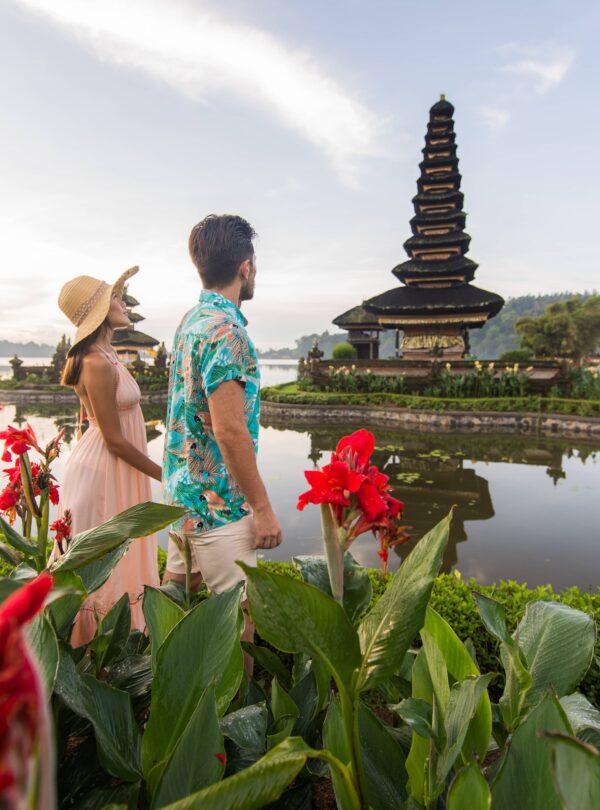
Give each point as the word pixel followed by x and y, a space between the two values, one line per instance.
pixel 72 370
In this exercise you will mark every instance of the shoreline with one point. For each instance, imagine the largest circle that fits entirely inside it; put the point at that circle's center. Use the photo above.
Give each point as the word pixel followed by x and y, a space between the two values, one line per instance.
pixel 509 423
pixel 24 396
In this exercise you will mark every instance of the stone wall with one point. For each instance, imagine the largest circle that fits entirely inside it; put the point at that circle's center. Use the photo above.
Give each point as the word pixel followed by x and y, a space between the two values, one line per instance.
pixel 456 421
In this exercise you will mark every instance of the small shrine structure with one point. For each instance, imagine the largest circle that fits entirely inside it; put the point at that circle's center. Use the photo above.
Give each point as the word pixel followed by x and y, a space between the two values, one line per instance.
pixel 436 305
pixel 130 343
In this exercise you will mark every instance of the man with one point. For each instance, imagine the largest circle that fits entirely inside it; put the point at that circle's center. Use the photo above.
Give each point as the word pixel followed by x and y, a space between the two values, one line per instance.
pixel 212 417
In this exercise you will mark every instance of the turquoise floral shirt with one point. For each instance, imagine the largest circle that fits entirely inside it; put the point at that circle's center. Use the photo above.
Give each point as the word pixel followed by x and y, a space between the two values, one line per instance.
pixel 210 347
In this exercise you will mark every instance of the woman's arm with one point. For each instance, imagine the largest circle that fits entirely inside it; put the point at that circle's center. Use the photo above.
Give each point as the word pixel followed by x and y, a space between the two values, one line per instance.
pixel 98 379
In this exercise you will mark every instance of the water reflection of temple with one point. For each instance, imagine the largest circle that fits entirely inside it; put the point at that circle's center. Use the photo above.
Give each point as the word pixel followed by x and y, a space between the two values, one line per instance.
pixel 431 473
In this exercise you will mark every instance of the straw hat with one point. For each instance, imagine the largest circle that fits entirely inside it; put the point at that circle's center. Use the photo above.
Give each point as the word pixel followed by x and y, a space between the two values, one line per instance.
pixel 86 301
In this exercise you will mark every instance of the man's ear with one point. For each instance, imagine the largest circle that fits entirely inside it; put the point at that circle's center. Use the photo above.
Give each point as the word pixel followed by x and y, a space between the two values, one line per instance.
pixel 245 268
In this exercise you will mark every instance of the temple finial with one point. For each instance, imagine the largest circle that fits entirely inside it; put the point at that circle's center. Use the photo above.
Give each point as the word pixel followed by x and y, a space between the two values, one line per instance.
pixel 442 97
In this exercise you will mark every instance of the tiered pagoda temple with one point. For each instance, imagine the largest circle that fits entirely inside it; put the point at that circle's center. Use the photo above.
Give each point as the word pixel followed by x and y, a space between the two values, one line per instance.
pixel 130 343
pixel 437 304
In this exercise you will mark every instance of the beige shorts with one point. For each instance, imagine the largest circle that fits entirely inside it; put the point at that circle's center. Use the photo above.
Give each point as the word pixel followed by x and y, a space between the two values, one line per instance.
pixel 214 554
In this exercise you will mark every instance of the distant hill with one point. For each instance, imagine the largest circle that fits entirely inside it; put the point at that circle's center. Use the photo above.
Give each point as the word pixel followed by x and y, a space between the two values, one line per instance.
pixel 488 343
pixel 498 335
pixel 31 349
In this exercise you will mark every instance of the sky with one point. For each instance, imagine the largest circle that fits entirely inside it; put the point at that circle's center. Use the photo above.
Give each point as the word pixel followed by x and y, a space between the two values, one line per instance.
pixel 125 122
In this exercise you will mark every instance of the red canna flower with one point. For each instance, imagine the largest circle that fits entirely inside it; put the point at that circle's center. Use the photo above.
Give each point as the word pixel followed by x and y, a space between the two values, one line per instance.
pixel 8 499
pixel 23 718
pixel 62 530
pixel 356 449
pixel 53 493
pixel 18 440
pixel 222 758
pixel 334 484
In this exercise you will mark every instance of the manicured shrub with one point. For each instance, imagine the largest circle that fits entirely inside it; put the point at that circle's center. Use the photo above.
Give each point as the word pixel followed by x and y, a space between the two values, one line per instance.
pixel 516 356
pixel 343 351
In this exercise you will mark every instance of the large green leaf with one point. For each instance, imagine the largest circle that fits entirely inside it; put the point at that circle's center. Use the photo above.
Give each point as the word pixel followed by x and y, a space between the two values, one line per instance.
pixel 44 645
pixel 584 718
pixel 94 574
pixel 197 652
pixel 68 594
pixel 558 644
pixel 357 583
pixel 16 540
pixel 8 586
pixel 297 617
pixel 460 709
pixel 438 674
pixel 285 713
pixel 265 781
pixel 525 780
pixel 123 796
pixel 138 521
pixel 383 759
pixel 576 772
pixel 112 633
pixel 460 665
pixel 270 661
pixel 161 614
pixel 193 764
pixel 518 678
pixel 417 714
pixel 392 624
pixel 469 790
pixel 305 695
pixel 420 748
pixel 247 727
pixel 109 711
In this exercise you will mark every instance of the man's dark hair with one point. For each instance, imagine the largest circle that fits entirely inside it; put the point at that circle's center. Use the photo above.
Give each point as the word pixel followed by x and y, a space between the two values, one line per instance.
pixel 218 245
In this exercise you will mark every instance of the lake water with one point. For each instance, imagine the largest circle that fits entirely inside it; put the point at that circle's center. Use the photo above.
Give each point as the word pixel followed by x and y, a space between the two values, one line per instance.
pixel 528 508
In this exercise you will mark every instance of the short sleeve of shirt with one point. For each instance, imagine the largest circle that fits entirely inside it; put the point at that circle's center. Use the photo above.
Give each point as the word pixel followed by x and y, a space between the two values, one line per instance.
pixel 224 357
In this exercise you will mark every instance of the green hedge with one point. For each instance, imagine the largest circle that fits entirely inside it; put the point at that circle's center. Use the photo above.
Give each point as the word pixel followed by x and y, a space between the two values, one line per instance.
pixel 289 394
pixel 453 599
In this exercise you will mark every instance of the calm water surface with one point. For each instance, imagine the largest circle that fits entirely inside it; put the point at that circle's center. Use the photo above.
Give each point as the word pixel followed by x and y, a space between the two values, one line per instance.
pixel 527 508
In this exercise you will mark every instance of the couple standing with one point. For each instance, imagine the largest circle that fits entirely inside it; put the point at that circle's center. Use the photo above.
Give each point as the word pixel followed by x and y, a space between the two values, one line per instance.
pixel 211 434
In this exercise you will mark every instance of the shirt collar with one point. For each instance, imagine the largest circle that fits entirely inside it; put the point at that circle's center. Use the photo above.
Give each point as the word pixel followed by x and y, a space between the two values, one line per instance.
pixel 219 301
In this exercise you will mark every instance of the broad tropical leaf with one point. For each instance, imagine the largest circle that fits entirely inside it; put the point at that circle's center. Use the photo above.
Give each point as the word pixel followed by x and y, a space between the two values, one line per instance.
pixel 198 651
pixel 416 713
pixel 357 584
pixel 247 727
pixel 265 781
pixel 138 521
pixel 392 624
pixel 525 780
pixel 576 771
pixel 112 633
pixel 94 574
pixel 44 645
pixel 420 748
pixel 469 790
pixel 383 759
pixel 518 677
pixel 297 617
pixel 558 644
pixel 460 665
pixel 161 614
pixel 270 661
pixel 193 764
pixel 285 713
pixel 583 717
pixel 110 713
pixel 16 540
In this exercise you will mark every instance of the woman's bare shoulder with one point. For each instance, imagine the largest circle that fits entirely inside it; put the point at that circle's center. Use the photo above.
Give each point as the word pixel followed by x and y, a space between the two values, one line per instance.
pixel 95 363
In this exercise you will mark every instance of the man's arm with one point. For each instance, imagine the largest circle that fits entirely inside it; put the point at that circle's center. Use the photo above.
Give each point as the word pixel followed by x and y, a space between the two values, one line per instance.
pixel 226 406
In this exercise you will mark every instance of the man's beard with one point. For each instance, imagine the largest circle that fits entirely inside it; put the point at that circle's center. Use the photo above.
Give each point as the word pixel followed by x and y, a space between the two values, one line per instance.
pixel 247 291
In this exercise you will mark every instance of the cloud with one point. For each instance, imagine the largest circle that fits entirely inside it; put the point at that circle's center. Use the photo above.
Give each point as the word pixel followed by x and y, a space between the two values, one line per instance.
pixel 202 55
pixel 545 72
pixel 493 117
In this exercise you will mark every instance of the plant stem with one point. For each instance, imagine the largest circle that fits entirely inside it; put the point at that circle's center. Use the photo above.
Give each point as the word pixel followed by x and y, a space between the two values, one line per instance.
pixel 333 552
pixel 42 540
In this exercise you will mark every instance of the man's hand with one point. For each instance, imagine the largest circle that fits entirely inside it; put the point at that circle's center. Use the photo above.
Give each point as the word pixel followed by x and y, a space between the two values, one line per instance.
pixel 267 528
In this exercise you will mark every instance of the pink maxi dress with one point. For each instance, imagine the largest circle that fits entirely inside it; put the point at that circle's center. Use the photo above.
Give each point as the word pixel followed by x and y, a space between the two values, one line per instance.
pixel 97 486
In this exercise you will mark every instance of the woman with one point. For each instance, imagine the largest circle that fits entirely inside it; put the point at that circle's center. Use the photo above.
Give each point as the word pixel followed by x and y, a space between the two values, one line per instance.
pixel 109 468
